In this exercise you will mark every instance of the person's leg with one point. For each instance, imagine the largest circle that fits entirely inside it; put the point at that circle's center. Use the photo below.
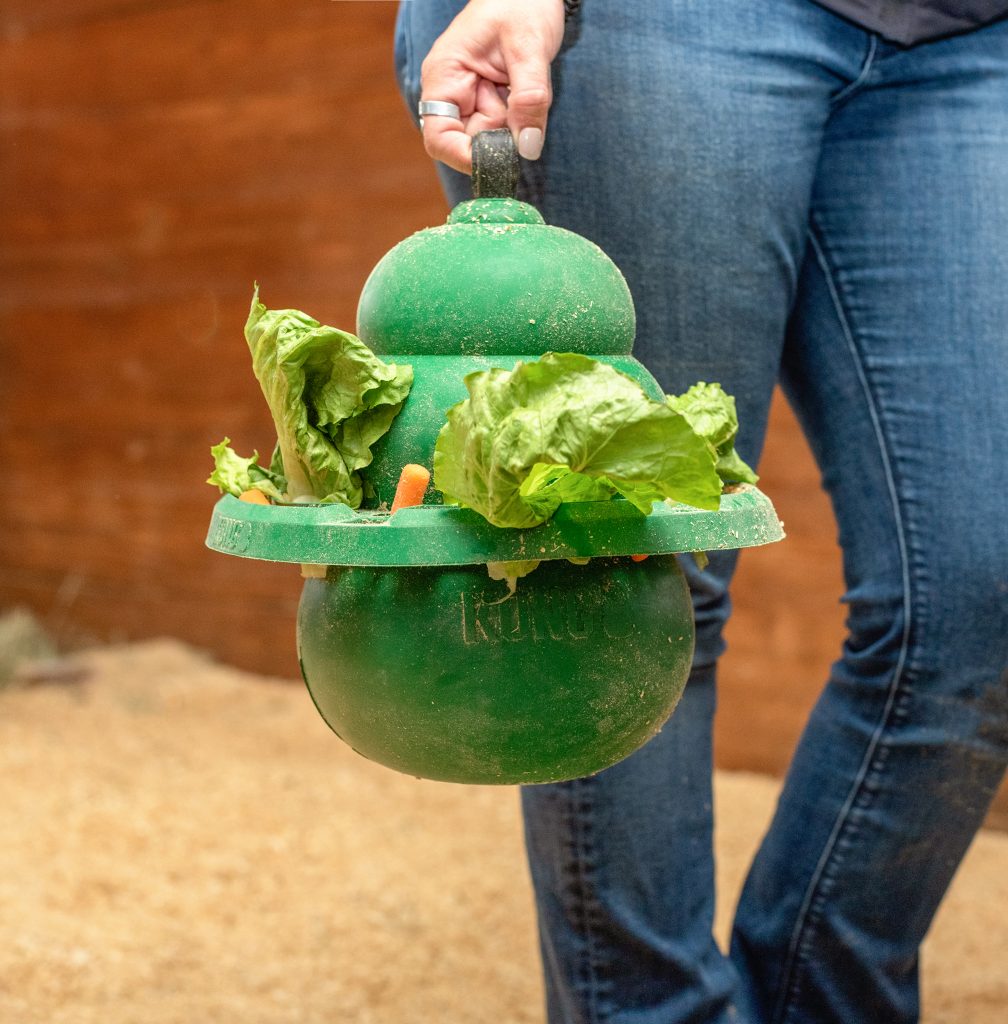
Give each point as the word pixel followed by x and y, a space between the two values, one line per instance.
pixel 683 140
pixel 707 224
pixel 897 363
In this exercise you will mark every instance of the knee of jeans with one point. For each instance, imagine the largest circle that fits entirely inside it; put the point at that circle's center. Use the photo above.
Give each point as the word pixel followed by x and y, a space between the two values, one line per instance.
pixel 959 601
pixel 877 630
pixel 966 627
pixel 942 638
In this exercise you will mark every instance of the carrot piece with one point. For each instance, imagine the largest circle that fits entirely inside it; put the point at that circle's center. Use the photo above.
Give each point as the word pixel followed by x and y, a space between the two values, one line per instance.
pixel 254 496
pixel 413 482
pixel 637 558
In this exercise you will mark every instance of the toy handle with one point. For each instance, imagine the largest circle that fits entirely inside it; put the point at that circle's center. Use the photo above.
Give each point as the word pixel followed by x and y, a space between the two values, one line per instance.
pixel 494 165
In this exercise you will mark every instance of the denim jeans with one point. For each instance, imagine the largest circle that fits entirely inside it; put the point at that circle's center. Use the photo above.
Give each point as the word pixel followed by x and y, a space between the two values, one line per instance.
pixel 792 199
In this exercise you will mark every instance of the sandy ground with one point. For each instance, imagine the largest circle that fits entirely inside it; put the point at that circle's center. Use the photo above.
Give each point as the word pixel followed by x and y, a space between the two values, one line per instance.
pixel 182 842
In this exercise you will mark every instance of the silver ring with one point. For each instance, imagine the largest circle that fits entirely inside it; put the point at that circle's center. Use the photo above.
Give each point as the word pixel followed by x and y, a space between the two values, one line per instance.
pixel 437 108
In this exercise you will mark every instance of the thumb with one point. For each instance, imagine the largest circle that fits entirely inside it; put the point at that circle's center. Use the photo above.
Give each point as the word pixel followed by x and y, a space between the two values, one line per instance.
pixel 528 102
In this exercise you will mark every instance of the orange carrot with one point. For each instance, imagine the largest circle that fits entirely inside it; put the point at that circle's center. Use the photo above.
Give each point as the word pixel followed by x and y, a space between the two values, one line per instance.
pixel 254 496
pixel 413 482
pixel 637 558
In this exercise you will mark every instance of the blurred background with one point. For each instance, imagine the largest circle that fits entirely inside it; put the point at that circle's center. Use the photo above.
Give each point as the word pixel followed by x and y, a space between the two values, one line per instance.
pixel 157 158
pixel 183 839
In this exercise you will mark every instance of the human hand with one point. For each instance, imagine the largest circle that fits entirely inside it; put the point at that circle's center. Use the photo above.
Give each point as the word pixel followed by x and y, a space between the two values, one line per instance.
pixel 493 62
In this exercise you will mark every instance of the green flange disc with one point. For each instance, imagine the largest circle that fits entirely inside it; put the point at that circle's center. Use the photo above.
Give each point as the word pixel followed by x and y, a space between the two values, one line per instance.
pixel 448 535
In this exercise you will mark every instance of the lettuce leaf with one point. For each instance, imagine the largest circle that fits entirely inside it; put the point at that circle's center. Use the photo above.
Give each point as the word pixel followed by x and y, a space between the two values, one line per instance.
pixel 711 413
pixel 331 398
pixel 567 428
pixel 510 573
pixel 235 475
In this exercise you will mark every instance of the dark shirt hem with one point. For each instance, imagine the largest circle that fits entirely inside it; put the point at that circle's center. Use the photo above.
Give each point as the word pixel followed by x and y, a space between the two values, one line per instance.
pixel 909 24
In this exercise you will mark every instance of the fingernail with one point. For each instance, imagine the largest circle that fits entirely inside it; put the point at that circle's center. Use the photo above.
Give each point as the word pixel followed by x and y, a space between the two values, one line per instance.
pixel 530 143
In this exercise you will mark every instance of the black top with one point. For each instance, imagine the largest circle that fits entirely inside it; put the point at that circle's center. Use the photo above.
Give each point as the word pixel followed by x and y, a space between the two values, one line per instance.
pixel 917 21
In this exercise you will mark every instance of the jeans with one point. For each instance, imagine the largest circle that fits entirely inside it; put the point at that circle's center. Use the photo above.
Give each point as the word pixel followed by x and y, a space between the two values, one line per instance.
pixel 792 199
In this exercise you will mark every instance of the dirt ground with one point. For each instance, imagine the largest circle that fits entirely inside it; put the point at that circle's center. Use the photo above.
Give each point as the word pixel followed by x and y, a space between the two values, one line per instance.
pixel 184 842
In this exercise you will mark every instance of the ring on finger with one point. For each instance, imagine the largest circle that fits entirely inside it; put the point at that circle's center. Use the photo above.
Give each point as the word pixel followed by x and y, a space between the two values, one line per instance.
pixel 437 108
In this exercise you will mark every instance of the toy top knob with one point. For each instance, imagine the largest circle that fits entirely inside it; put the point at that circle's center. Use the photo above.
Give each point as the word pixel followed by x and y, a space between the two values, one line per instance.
pixel 496 280
pixel 494 165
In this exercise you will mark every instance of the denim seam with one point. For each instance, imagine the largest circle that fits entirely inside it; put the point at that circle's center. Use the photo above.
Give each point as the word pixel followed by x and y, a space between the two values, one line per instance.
pixel 410 65
pixel 861 792
pixel 409 62
pixel 582 868
pixel 862 76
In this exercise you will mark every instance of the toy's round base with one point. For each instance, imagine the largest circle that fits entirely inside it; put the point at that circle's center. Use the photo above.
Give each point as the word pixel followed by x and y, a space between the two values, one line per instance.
pixel 438 673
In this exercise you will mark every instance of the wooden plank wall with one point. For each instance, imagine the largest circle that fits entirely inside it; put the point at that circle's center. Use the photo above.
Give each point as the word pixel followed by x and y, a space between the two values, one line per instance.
pixel 157 157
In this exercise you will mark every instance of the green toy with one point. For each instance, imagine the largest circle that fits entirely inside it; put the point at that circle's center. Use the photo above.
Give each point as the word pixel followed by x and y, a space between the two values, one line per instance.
pixel 412 653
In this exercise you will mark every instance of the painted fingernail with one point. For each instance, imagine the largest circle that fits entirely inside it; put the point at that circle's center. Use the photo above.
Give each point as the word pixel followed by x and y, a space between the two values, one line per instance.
pixel 530 143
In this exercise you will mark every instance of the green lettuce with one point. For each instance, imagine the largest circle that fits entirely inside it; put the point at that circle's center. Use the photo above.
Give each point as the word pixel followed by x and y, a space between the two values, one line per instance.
pixel 567 428
pixel 331 398
pixel 711 413
pixel 235 475
pixel 511 572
